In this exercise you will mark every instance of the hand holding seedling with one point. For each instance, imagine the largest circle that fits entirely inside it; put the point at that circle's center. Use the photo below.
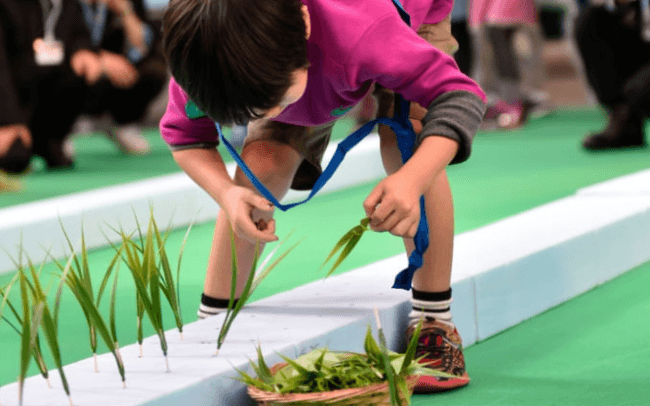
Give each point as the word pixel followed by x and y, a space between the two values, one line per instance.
pixel 241 205
pixel 394 206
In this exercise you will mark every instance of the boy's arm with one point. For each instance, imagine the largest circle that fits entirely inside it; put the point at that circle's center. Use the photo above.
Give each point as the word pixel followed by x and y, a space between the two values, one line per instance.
pixel 394 56
pixel 193 143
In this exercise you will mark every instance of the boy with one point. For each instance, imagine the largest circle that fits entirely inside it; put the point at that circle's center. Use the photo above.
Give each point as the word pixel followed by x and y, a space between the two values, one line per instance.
pixel 292 67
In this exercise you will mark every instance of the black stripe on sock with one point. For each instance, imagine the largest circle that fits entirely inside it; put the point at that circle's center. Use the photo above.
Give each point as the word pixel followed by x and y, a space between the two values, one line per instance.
pixel 214 302
pixel 431 296
pixel 419 309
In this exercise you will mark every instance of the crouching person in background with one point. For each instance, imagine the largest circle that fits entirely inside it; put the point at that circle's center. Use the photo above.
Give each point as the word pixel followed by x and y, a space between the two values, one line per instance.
pixel 42 80
pixel 134 68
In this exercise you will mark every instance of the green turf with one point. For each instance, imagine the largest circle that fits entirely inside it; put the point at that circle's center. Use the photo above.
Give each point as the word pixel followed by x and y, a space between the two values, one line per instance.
pixel 593 350
pixel 507 174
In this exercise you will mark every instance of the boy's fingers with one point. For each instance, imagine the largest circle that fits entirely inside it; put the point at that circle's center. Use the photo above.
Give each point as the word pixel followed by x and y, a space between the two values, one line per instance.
pixel 251 233
pixel 372 201
pixel 271 226
pixel 261 203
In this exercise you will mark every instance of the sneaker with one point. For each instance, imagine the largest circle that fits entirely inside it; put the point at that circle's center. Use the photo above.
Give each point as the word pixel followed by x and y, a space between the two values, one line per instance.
pixel 514 115
pixel 442 347
pixel 129 140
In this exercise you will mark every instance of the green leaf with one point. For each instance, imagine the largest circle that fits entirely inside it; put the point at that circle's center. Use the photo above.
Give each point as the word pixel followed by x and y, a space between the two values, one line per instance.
pixel 343 241
pixel 109 271
pixel 388 368
pixel 26 338
pixel 264 371
pixel 346 251
pixel 111 306
pixel 167 277
pixel 264 273
pixel 411 348
pixel 370 346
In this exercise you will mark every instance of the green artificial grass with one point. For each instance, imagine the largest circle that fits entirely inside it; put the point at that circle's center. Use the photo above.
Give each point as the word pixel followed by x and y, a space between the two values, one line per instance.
pixel 593 350
pixel 509 172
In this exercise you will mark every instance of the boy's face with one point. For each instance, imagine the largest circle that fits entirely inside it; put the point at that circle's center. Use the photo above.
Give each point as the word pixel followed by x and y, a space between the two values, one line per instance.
pixel 294 94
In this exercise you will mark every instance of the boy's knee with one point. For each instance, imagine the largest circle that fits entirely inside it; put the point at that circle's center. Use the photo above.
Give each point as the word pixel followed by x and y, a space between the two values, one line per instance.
pixel 271 161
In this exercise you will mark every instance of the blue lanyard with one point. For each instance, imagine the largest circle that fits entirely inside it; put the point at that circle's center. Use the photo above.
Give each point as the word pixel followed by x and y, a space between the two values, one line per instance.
pixel 95 21
pixel 402 127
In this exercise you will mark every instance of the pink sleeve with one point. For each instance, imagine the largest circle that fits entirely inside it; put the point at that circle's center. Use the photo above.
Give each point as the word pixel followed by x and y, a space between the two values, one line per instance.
pixel 394 56
pixel 177 129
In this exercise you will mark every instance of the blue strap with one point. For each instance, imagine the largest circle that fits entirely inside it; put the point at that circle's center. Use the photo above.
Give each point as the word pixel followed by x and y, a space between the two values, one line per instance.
pixel 402 13
pixel 402 127
pixel 95 21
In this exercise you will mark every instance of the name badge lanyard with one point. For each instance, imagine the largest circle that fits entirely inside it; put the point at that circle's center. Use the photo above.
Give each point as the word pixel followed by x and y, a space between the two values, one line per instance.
pixel 402 127
pixel 51 18
pixel 96 21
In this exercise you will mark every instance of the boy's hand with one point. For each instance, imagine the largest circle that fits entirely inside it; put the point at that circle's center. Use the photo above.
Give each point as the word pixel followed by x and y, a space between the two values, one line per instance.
pixel 87 64
pixel 240 203
pixel 394 206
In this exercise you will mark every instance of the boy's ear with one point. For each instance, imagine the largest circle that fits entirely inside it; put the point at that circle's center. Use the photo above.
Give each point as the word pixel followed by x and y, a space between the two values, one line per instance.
pixel 305 15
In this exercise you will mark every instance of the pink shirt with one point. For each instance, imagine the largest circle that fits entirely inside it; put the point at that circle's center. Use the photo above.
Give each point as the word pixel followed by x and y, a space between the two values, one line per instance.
pixel 502 12
pixel 353 44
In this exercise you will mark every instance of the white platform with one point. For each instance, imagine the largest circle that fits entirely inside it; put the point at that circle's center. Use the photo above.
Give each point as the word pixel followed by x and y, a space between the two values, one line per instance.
pixel 504 273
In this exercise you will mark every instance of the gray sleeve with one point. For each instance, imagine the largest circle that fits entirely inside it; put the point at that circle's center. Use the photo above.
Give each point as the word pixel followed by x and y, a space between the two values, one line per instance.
pixel 201 145
pixel 456 115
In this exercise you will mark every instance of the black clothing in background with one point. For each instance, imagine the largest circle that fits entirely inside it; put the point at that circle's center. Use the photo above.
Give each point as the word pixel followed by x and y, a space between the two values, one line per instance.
pixel 617 60
pixel 45 99
pixel 129 105
pixel 463 56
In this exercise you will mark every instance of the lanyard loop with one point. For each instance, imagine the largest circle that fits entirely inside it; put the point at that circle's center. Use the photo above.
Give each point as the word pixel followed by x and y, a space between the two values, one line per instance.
pixel 50 18
pixel 401 125
pixel 95 20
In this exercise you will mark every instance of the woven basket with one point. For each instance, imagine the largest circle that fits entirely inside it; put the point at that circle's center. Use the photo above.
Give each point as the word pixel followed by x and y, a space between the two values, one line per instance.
pixel 372 395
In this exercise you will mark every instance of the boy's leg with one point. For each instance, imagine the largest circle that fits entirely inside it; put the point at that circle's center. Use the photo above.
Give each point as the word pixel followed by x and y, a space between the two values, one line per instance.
pixel 439 342
pixel 281 156
pixel 274 165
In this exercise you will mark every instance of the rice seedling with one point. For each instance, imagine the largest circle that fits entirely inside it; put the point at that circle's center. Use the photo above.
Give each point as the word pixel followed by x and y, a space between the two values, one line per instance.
pixel 36 313
pixel 141 262
pixel 82 271
pixel 346 244
pixel 255 277
pixel 79 281
pixel 170 289
pixel 36 350
pixel 322 370
pixel 81 291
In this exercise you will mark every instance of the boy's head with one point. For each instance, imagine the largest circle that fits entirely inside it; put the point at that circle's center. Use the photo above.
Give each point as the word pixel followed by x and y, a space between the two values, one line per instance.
pixel 237 59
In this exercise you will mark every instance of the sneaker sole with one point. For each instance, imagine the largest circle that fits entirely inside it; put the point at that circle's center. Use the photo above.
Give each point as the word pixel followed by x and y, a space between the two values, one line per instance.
pixel 430 384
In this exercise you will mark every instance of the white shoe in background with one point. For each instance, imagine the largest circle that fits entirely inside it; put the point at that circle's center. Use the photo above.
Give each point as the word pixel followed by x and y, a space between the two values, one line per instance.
pixel 129 140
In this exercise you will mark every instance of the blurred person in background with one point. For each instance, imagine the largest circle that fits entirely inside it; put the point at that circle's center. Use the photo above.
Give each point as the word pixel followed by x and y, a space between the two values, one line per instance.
pixel 614 42
pixel 42 77
pixel 460 31
pixel 134 69
pixel 507 33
